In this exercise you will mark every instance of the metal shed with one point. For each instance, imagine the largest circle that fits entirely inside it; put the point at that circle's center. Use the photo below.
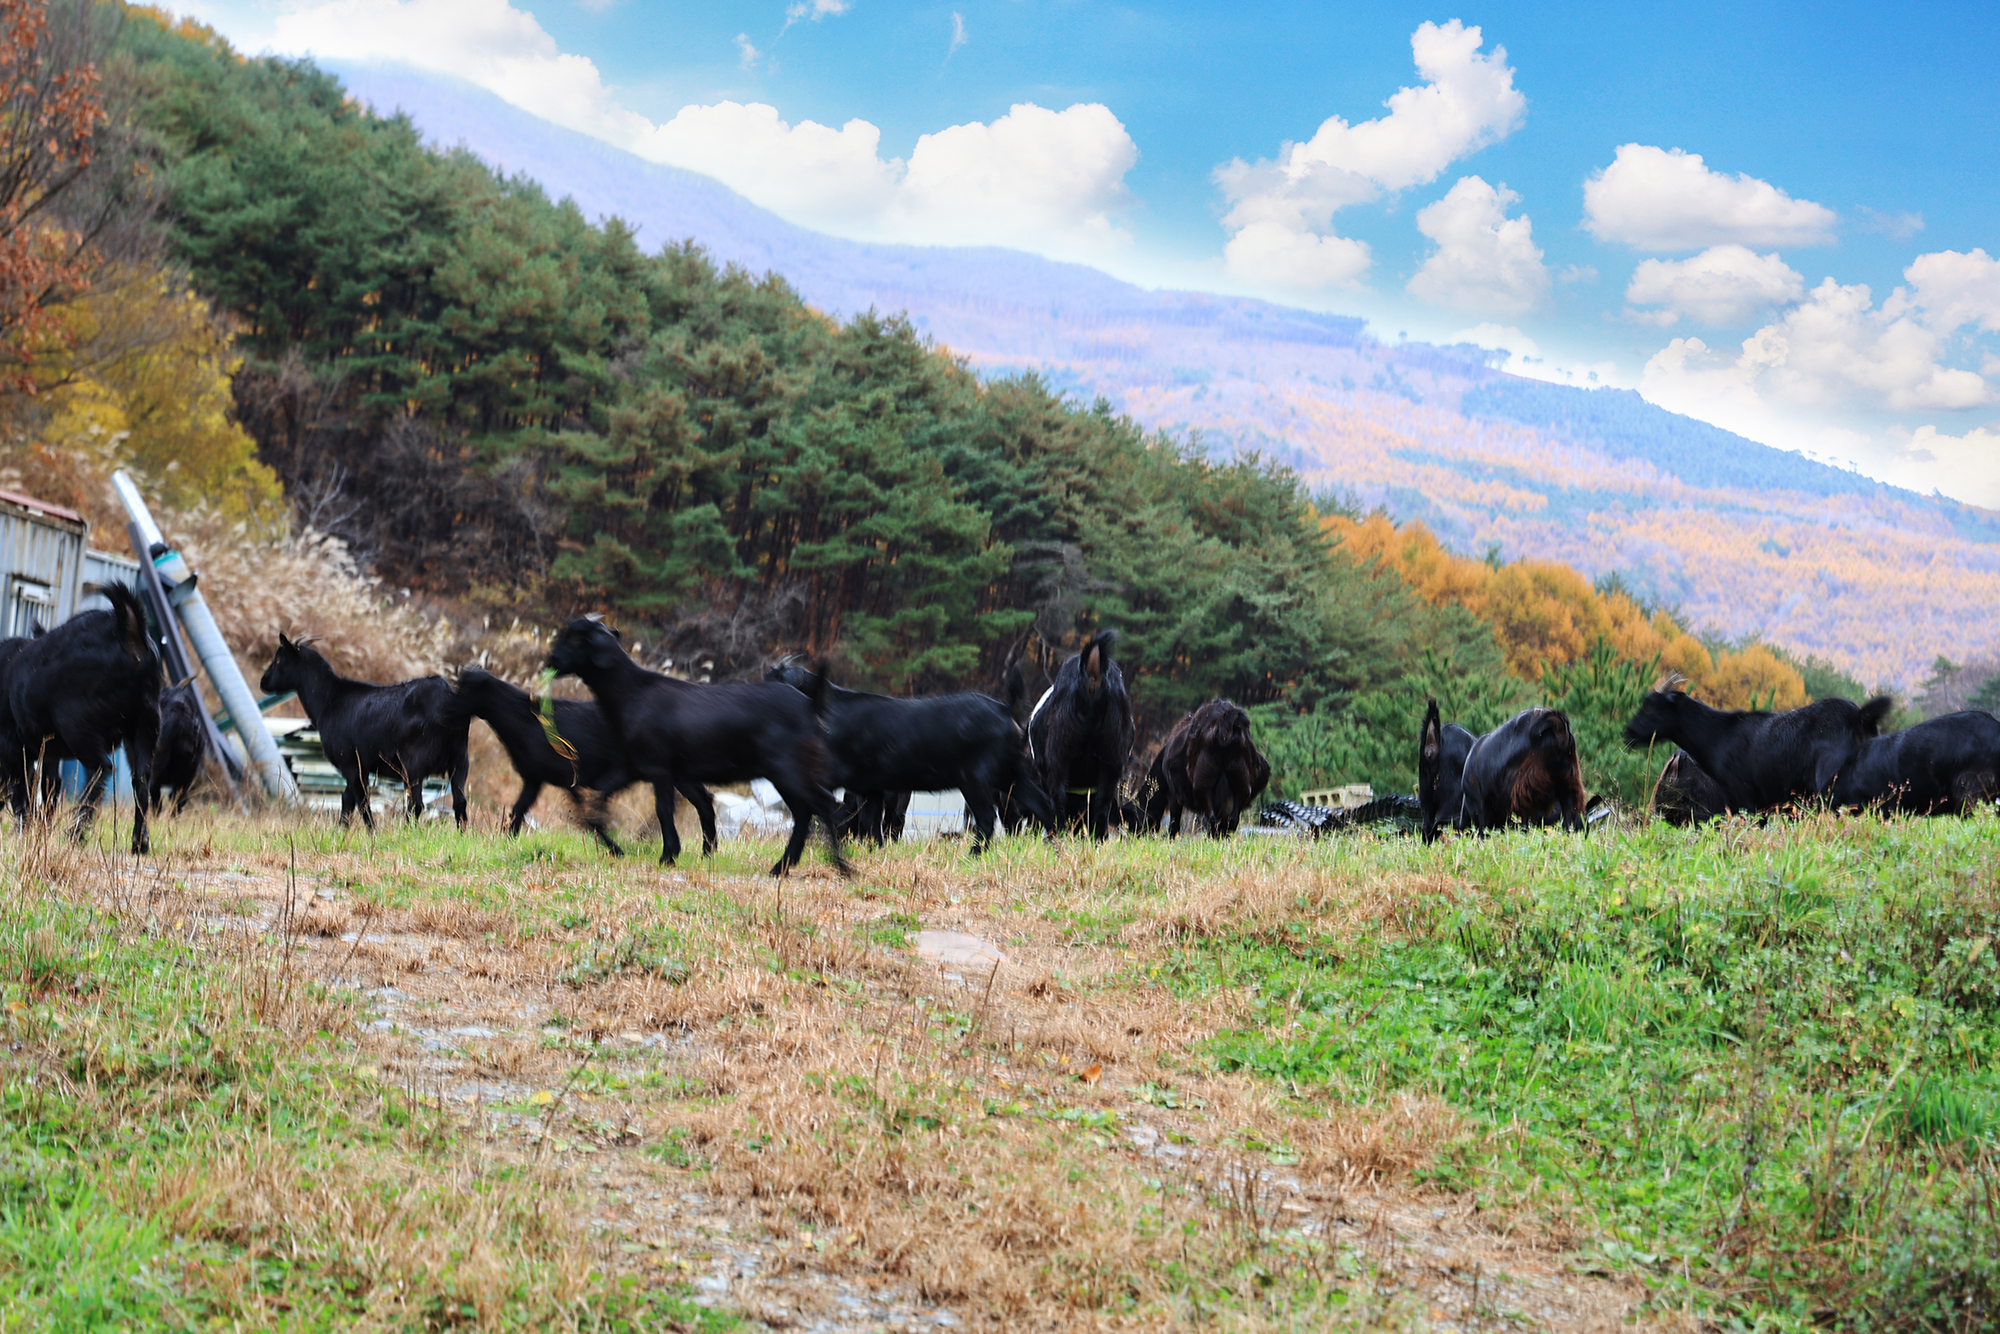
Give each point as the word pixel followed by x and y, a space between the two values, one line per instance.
pixel 42 550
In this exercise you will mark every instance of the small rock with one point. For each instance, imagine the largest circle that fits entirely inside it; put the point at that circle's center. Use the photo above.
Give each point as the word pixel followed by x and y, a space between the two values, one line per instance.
pixel 472 1031
pixel 958 949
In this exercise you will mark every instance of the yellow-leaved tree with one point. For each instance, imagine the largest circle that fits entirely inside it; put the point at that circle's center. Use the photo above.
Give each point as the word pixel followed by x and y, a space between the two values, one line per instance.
pixel 1547 615
pixel 150 391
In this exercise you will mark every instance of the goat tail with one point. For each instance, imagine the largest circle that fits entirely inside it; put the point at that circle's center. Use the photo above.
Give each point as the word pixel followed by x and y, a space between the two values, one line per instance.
pixel 129 615
pixel 818 694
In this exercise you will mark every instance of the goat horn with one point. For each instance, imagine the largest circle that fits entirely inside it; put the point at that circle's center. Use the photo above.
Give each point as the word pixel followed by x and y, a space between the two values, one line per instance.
pixel 1669 682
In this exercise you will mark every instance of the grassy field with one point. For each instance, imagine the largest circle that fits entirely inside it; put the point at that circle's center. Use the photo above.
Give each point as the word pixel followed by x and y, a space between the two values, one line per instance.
pixel 280 1076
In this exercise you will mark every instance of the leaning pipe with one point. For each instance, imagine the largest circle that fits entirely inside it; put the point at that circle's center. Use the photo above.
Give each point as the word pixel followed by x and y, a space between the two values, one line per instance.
pixel 209 645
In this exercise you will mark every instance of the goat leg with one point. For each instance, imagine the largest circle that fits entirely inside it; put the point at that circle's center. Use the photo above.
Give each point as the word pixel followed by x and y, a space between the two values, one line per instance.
pixel 139 749
pixel 531 792
pixel 96 769
pixel 979 804
pixel 704 809
pixel 664 801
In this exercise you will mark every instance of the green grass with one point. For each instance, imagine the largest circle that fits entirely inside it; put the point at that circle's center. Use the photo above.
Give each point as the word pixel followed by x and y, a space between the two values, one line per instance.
pixel 184 1143
pixel 1761 1062
pixel 1757 1067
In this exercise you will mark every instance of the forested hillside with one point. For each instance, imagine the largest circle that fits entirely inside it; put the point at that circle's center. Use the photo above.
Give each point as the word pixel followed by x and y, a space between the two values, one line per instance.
pixel 519 413
pixel 516 412
pixel 1747 539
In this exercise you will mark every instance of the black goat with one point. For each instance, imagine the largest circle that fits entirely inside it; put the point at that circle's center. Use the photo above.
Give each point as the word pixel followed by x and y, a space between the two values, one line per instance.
pixel 407 731
pixel 879 818
pixel 1948 764
pixel 1685 794
pixel 183 745
pixel 594 762
pixel 79 692
pixel 1525 769
pixel 1080 734
pixel 1760 761
pixel 1441 751
pixel 675 731
pixel 1209 765
pixel 880 744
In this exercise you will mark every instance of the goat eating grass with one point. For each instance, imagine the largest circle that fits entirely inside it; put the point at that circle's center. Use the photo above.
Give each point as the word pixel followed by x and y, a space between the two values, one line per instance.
pixel 1760 761
pixel 1209 765
pixel 1525 769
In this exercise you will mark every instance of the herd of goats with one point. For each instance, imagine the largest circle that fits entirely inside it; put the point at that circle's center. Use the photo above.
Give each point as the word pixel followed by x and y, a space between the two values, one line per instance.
pixel 93 685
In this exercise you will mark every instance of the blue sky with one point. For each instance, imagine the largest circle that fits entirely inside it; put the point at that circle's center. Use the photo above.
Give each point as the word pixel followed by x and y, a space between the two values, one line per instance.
pixel 1857 144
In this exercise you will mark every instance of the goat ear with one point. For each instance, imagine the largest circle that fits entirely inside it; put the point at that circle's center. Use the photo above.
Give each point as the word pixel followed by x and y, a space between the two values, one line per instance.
pixel 284 642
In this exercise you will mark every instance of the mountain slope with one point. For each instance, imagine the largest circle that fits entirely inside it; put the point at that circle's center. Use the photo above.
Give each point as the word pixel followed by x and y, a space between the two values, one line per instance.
pixel 1745 538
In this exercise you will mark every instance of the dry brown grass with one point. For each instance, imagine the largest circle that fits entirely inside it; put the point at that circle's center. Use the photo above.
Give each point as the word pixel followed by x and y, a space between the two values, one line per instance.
pixel 1048 1145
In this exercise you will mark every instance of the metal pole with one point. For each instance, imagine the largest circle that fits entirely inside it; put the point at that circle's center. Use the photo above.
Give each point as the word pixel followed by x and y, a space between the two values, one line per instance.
pixel 209 644
pixel 180 667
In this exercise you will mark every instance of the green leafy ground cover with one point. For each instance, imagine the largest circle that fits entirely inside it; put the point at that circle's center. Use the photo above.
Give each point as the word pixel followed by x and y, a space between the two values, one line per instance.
pixel 1762 1061
pixel 1752 1068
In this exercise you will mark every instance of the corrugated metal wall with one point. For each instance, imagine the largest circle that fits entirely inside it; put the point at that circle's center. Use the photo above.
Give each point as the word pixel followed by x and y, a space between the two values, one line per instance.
pixel 103 567
pixel 42 557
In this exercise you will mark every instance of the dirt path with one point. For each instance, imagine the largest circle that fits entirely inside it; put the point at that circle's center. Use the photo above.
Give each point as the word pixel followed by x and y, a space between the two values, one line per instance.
pixel 642 1089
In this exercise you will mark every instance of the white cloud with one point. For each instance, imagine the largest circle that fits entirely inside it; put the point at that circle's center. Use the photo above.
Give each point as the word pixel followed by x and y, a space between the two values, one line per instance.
pixel 1031 173
pixel 1955 289
pixel 957 34
pixel 1971 462
pixel 1901 226
pixel 1280 212
pixel 1723 285
pixel 1824 377
pixel 814 11
pixel 1656 199
pixel 746 54
pixel 805 170
pixel 1496 338
pixel 1486 263
pixel 1834 350
pixel 1271 254
pixel 1033 178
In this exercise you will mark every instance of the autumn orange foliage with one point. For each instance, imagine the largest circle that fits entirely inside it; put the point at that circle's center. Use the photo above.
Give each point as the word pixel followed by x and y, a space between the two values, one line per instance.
pixel 47 119
pixel 1546 614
